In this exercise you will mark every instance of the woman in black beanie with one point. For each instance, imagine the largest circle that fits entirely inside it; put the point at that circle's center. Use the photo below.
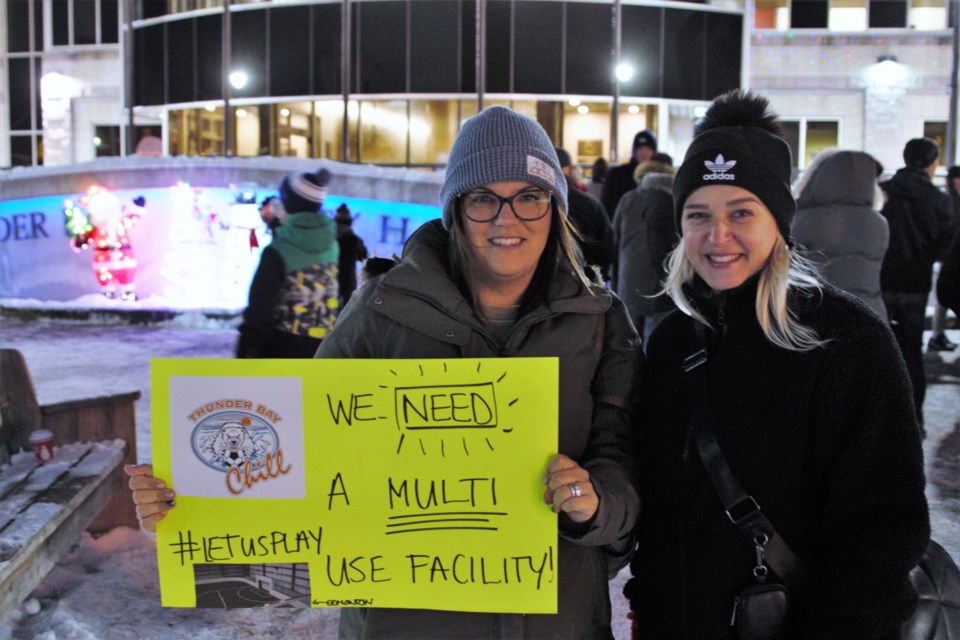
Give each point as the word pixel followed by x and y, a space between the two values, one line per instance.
pixel 809 401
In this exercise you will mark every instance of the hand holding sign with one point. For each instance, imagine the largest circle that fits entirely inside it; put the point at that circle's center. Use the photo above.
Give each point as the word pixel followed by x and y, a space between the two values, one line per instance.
pixel 569 489
pixel 150 495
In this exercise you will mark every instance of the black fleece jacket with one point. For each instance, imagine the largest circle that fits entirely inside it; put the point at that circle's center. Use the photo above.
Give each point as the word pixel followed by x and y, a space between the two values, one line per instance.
pixel 825 440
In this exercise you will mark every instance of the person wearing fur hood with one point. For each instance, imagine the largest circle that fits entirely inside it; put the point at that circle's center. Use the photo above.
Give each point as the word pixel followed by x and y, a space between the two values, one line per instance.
pixel 645 235
pixel 809 400
pixel 839 225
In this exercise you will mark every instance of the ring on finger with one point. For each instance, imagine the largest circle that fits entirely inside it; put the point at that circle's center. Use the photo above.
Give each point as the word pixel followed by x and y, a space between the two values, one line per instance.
pixel 575 490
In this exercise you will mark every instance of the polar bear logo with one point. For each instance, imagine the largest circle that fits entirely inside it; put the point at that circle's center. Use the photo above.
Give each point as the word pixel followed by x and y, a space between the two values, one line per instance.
pixel 233 446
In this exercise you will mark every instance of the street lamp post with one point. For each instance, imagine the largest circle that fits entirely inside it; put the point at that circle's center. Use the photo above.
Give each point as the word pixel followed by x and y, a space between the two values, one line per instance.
pixel 615 115
pixel 225 75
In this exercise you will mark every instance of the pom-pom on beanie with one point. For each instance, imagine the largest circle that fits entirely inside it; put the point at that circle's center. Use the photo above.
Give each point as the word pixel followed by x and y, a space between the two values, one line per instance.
pixel 304 191
pixel 500 145
pixel 920 153
pixel 739 143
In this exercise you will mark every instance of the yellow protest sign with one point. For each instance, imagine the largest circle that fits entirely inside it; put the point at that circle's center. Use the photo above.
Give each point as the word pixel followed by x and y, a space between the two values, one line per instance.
pixel 358 483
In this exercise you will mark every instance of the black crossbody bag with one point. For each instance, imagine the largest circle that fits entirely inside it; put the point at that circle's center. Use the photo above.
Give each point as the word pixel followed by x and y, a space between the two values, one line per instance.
pixel 759 611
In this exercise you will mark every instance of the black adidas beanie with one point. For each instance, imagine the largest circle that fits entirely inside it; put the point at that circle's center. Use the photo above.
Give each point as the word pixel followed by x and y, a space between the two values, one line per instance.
pixel 739 143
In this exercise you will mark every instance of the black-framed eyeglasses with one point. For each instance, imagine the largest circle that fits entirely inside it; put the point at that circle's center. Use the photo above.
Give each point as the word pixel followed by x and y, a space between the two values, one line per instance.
pixel 485 206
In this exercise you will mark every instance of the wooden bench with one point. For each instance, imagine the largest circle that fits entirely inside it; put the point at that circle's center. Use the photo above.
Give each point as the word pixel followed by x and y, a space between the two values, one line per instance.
pixel 86 420
pixel 45 507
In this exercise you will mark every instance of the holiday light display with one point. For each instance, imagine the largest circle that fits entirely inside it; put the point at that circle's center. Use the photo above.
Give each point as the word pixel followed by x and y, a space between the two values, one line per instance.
pixel 97 221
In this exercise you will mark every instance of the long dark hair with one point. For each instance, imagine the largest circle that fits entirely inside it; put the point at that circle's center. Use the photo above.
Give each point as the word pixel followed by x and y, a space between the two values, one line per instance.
pixel 561 253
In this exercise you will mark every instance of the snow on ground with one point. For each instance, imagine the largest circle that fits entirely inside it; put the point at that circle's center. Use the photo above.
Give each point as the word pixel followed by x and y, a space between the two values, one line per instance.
pixel 106 588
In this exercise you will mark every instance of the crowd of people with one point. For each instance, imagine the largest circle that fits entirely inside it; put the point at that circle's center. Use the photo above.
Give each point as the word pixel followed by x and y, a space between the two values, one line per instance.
pixel 705 315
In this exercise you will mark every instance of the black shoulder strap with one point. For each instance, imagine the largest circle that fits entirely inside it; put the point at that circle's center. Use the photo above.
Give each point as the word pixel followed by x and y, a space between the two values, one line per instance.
pixel 741 508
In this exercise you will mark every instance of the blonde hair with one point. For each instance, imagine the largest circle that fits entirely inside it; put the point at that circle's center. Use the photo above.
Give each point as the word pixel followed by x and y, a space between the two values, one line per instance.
pixel 784 270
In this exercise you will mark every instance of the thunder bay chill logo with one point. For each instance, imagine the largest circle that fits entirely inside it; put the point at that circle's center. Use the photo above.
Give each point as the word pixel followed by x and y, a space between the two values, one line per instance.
pixel 241 444
pixel 719 168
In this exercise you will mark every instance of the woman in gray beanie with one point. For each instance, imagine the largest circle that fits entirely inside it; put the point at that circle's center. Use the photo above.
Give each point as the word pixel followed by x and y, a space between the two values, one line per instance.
pixel 501 276
pixel 807 399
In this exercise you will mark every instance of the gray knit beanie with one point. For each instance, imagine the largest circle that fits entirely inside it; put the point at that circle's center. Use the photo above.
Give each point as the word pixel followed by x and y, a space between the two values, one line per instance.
pixel 501 145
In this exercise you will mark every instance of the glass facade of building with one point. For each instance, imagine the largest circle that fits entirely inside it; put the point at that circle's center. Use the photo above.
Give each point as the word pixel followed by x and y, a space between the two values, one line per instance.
pixel 390 81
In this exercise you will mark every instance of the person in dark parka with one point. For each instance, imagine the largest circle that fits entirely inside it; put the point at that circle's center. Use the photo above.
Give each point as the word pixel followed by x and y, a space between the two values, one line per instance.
pixel 587 215
pixel 948 282
pixel 920 219
pixel 619 180
pixel 807 395
pixel 352 251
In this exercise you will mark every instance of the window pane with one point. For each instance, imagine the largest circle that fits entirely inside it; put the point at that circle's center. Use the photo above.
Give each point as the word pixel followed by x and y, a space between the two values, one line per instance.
pixel 61 26
pixel 326 49
pixel 209 59
pixel 149 74
pixel 20 94
pixel 289 34
pixel 179 131
pixel 724 33
pixel 435 46
pixel 84 21
pixel 327 132
pixel 937 131
pixel 538 53
pixel 383 131
pixel 109 21
pixel 383 63
pixel 928 18
pixel 808 14
pixel 589 45
pixel 37 102
pixel 433 126
pixel 180 47
pixel 499 50
pixel 250 51
pixel 640 46
pixel 820 136
pixel 684 56
pixel 292 130
pixel 37 25
pixel 210 132
pixel 771 14
pixel 468 46
pixel 106 141
pixel 18 25
pixel 21 151
pixel 888 13
pixel 791 133
pixel 247 133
